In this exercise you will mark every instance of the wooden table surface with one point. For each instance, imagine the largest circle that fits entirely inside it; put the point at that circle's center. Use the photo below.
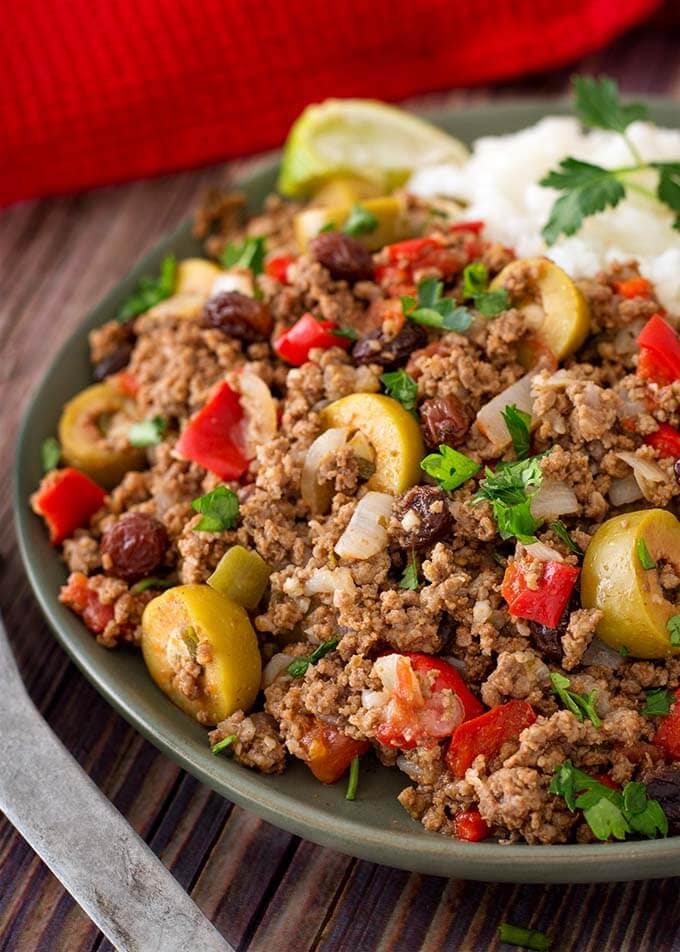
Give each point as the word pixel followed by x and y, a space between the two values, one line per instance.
pixel 264 889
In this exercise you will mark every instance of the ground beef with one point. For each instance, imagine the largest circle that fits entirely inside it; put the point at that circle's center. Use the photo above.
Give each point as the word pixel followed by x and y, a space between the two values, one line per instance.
pixel 258 742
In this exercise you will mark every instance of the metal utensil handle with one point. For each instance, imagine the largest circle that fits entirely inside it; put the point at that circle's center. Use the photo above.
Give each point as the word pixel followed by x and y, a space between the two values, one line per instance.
pixel 84 840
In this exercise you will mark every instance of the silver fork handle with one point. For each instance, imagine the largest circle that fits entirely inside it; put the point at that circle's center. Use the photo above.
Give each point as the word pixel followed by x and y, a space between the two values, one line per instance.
pixel 84 840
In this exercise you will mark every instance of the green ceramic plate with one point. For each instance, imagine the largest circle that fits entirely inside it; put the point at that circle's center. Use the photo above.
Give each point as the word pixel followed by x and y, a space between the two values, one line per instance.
pixel 374 827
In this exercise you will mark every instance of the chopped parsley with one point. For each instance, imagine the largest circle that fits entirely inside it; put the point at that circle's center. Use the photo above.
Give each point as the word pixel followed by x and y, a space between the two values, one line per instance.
pixel 658 702
pixel 150 291
pixel 449 467
pixel 524 938
pixel 518 423
pixel 624 651
pixel 609 813
pixel 298 666
pixel 476 288
pixel 510 489
pixel 347 332
pixel 402 387
pixel 50 453
pixel 410 577
pixel 562 533
pixel 223 744
pixel 219 508
pixel 150 582
pixel 580 705
pixel 353 780
pixel 147 432
pixel 643 554
pixel 360 221
pixel 673 629
pixel 248 253
pixel 433 310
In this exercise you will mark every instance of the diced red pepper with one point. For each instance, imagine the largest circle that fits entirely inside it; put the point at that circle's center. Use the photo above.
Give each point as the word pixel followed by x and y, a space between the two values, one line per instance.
pixel 607 781
pixel 666 440
pixel 329 752
pixel 475 226
pixel 471 826
pixel 661 362
pixel 652 366
pixel 67 499
pixel 633 287
pixel 447 677
pixel 295 344
pixel 487 734
pixel 126 382
pixel 411 250
pixel 213 438
pixel 277 267
pixel 545 603
pixel 667 737
pixel 84 601
pixel 404 258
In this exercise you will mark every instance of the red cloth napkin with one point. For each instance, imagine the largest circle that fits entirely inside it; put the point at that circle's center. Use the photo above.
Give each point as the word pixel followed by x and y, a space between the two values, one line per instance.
pixel 99 91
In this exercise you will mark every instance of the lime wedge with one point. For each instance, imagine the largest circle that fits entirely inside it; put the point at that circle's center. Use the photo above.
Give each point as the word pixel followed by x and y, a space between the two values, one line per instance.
pixel 362 138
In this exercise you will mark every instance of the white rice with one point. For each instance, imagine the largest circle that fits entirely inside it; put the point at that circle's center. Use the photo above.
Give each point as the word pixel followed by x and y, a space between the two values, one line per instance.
pixel 499 183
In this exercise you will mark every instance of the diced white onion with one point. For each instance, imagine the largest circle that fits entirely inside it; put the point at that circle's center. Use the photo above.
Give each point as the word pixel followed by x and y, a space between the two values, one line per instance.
pixel 645 471
pixel 543 552
pixel 238 279
pixel 490 418
pixel 386 669
pixel 318 495
pixel 625 490
pixel 274 667
pixel 481 611
pixel 366 535
pixel 553 499
pixel 601 654
pixel 259 411
pixel 329 581
pixel 371 699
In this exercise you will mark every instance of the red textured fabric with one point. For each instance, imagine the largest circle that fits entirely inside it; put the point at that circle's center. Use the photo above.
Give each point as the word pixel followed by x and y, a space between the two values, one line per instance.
pixel 99 91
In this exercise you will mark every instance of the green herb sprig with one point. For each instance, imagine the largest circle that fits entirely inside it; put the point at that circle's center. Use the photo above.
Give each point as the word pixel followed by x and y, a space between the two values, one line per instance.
pixel 150 291
pixel 433 310
pixel 248 253
pixel 510 488
pixel 219 508
pixel 657 702
pixel 673 629
pixel 562 533
pixel 581 706
pixel 147 432
pixel 476 289
pixel 360 221
pixel 50 454
pixel 518 423
pixel 402 387
pixel 644 555
pixel 524 938
pixel 298 666
pixel 353 780
pixel 409 579
pixel 449 467
pixel 223 744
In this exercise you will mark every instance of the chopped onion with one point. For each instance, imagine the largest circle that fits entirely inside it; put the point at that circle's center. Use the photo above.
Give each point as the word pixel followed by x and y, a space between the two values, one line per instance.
pixel 645 471
pixel 490 418
pixel 237 279
pixel 330 581
pixel 371 699
pixel 543 552
pixel 601 654
pixel 318 495
pixel 625 490
pixel 274 667
pixel 259 410
pixel 481 611
pixel 366 534
pixel 553 499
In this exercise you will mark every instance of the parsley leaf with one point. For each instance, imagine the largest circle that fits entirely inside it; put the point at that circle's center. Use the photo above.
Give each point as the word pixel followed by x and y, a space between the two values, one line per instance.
pixel 147 432
pixel 596 103
pixel 220 510
pixel 509 490
pixel 518 423
pixel 658 703
pixel 298 666
pixel 668 189
pixel 604 818
pixel 580 705
pixel 151 582
pixel 433 310
pixel 347 332
pixel 248 253
pixel 410 577
pixel 150 291
pixel 645 816
pixel 476 288
pixel 360 221
pixel 402 387
pixel 524 938
pixel 587 189
pixel 223 744
pixel 50 453
pixel 643 554
pixel 449 467
pixel 673 629
pixel 561 531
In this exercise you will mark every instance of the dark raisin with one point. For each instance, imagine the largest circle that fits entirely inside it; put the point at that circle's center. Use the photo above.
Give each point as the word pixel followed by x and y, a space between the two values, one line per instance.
pixel 676 469
pixel 447 633
pixel 345 257
pixel 134 546
pixel 663 784
pixel 113 362
pixel 445 420
pixel 239 316
pixel 423 515
pixel 377 348
pixel 549 640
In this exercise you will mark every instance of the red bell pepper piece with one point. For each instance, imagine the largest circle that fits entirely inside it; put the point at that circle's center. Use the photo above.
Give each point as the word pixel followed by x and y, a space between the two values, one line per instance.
pixel 447 677
pixel 653 366
pixel 471 826
pixel 329 752
pixel 666 440
pixel 487 734
pixel 545 603
pixel 411 250
pixel 633 287
pixel 667 737
pixel 662 362
pixel 277 267
pixel 213 438
pixel 607 781
pixel 295 344
pixel 417 254
pixel 475 226
pixel 67 499
pixel 84 601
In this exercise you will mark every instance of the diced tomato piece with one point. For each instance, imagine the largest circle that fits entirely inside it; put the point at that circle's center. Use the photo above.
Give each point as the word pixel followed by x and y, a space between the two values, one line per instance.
pixel 126 382
pixel 84 601
pixel 475 226
pixel 447 677
pixel 667 737
pixel 67 499
pixel 411 250
pixel 633 287
pixel 295 344
pixel 663 341
pixel 666 440
pixel 653 366
pixel 545 603
pixel 213 438
pixel 471 826
pixel 607 781
pixel 277 267
pixel 329 752
pixel 487 734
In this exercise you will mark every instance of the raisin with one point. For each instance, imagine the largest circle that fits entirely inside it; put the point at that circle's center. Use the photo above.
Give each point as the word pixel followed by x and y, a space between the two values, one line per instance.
pixel 345 258
pixel 239 316
pixel 134 546
pixel 113 362
pixel 378 348
pixel 549 640
pixel 445 420
pixel 423 515
pixel 676 470
pixel 663 784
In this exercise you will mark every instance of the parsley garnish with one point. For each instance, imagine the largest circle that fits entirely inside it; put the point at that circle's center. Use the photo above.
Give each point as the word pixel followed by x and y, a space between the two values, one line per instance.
pixel 433 310
pixel 588 188
pixel 151 582
pixel 360 221
pixel 449 467
pixel 580 705
pixel 223 744
pixel 219 508
pixel 410 577
pixel 347 332
pixel 657 703
pixel 298 666
pixel 148 432
pixel 561 531
pixel 509 490
pixel 624 651
pixel 643 554
pixel 518 423
pixel 353 780
pixel 50 453
pixel 607 812
pixel 402 387
pixel 476 289
pixel 150 291
pixel 524 938
pixel 248 253
pixel 673 629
